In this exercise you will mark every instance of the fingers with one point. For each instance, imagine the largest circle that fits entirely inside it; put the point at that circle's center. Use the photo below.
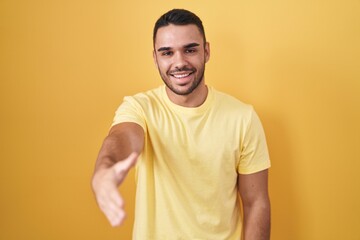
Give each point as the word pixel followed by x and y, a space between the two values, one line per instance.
pixel 112 205
pixel 115 213
pixel 105 186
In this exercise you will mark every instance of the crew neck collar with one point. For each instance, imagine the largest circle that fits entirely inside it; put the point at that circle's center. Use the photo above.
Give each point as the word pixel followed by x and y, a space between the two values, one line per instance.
pixel 189 110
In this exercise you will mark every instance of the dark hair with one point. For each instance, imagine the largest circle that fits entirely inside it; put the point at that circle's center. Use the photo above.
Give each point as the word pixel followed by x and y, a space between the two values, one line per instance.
pixel 178 17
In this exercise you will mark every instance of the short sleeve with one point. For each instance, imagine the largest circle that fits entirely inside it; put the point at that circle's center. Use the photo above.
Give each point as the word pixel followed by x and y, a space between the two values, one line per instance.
pixel 130 111
pixel 254 155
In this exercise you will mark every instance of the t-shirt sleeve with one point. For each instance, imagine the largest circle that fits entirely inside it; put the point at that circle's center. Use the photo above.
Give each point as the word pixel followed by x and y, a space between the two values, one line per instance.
pixel 254 156
pixel 130 111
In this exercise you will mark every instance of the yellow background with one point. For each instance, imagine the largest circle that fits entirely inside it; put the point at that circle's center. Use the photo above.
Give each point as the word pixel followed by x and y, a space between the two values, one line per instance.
pixel 66 65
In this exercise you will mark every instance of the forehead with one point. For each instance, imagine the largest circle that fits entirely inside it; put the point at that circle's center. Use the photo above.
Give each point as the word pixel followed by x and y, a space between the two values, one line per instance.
pixel 175 35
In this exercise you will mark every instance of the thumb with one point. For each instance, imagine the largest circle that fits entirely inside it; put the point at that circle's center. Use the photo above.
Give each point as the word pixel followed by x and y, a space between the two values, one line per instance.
pixel 124 166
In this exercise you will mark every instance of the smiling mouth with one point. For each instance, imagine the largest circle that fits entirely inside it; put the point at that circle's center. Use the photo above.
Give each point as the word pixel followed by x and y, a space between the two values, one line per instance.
pixel 181 75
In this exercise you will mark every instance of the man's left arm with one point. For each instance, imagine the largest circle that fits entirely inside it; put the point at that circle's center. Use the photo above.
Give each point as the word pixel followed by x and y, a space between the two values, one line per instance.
pixel 253 189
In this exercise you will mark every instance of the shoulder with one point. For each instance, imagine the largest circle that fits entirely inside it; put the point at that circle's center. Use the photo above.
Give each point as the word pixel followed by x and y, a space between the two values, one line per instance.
pixel 146 95
pixel 230 103
pixel 150 97
pixel 135 108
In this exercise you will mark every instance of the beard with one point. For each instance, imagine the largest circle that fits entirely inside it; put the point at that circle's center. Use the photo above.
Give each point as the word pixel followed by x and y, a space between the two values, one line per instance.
pixel 198 79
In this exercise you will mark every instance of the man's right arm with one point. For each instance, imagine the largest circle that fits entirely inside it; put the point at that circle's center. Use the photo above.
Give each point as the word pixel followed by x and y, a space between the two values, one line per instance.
pixel 117 155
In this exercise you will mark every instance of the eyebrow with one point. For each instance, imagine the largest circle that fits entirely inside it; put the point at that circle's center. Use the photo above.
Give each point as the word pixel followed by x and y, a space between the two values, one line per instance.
pixel 164 49
pixel 190 45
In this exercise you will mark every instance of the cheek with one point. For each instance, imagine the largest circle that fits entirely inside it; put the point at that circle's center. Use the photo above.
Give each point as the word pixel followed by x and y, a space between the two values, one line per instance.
pixel 163 65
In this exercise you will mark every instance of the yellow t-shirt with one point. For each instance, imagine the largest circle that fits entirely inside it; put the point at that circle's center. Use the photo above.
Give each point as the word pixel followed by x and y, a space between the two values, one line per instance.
pixel 187 174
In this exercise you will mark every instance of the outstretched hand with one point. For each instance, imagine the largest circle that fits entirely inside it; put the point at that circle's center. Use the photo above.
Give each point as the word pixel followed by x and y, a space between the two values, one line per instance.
pixel 105 185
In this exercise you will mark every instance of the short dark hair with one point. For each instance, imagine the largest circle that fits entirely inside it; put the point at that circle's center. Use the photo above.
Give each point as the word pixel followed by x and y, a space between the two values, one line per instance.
pixel 178 17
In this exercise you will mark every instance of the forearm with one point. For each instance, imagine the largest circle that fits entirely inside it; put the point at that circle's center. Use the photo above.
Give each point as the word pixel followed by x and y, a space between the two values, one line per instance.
pixel 257 220
pixel 118 154
pixel 119 144
pixel 113 150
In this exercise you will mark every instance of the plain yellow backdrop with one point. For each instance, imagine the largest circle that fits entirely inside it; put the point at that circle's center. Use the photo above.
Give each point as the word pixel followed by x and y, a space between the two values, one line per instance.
pixel 66 65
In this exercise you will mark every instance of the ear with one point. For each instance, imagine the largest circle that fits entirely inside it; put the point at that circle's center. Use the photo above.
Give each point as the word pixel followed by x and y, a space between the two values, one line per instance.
pixel 207 51
pixel 154 58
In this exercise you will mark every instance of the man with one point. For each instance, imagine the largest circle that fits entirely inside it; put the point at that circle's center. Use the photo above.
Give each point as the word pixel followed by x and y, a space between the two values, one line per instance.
pixel 195 149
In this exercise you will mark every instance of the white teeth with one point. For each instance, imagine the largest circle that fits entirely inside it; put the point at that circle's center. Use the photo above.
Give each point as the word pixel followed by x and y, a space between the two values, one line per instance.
pixel 181 75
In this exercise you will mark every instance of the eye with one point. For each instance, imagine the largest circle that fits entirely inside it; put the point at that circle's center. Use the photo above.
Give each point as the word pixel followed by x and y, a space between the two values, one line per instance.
pixel 166 53
pixel 190 50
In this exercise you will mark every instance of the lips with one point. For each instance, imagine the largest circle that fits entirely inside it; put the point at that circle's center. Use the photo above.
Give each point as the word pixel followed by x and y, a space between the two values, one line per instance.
pixel 181 75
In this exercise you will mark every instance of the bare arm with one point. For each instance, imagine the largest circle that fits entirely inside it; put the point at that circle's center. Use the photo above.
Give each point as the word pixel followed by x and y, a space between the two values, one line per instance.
pixel 253 189
pixel 117 155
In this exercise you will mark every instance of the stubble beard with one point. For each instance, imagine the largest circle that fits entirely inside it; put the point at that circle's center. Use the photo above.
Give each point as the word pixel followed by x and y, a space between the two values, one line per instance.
pixel 166 79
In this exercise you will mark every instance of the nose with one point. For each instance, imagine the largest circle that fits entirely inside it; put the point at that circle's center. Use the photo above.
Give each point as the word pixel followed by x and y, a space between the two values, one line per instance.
pixel 180 60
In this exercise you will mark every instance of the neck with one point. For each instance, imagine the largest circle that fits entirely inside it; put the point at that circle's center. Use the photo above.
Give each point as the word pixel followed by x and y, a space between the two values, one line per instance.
pixel 192 100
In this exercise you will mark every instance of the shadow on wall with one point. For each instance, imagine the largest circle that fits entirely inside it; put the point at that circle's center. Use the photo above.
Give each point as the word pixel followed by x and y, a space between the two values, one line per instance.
pixel 252 86
pixel 282 186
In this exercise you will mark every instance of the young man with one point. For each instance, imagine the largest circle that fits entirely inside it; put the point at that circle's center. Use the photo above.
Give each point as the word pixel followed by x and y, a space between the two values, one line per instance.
pixel 195 150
